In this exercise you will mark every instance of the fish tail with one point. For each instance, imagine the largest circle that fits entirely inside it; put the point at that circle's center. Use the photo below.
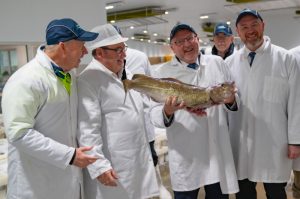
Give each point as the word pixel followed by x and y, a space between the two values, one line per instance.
pixel 126 85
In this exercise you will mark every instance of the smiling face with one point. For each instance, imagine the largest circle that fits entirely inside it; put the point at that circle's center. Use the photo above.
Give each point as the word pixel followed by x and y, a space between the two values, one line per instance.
pixel 251 31
pixel 185 45
pixel 112 56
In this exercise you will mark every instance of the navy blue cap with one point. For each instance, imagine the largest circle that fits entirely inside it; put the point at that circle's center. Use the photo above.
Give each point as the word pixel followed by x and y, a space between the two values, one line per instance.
pixel 179 27
pixel 60 30
pixel 245 12
pixel 224 28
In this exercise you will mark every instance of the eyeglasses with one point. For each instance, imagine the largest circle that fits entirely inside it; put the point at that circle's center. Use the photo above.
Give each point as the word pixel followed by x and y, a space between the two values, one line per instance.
pixel 117 50
pixel 189 39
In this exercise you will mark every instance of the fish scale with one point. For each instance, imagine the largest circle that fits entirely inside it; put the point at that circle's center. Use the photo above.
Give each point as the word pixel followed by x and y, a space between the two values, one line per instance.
pixel 193 96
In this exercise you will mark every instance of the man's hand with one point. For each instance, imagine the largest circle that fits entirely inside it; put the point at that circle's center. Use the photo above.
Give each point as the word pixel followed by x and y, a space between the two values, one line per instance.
pixel 293 151
pixel 231 99
pixel 171 105
pixel 108 178
pixel 198 111
pixel 82 160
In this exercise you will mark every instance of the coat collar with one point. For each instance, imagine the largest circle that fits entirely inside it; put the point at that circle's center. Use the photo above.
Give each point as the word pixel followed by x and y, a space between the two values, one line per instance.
pixel 265 47
pixel 179 63
pixel 95 64
pixel 43 59
pixel 229 52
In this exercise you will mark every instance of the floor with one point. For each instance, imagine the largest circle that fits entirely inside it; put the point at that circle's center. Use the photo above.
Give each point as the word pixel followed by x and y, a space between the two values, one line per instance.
pixel 162 151
pixel 164 169
pixel 166 181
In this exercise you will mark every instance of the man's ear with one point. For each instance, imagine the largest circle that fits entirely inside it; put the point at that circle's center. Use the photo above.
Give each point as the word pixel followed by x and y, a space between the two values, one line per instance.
pixel 99 52
pixel 62 46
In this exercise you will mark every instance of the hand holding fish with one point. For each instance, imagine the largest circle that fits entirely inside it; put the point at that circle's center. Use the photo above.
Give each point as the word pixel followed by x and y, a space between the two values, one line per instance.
pixel 198 111
pixel 171 105
pixel 220 96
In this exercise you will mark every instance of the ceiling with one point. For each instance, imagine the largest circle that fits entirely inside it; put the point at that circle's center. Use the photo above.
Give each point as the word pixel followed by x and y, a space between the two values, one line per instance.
pixel 189 12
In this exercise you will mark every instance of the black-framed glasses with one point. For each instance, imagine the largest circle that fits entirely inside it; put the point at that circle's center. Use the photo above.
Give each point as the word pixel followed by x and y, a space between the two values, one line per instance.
pixel 117 50
pixel 189 39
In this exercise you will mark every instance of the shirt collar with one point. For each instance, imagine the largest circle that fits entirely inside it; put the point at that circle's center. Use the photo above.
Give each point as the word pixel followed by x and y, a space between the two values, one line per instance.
pixel 185 64
pixel 260 50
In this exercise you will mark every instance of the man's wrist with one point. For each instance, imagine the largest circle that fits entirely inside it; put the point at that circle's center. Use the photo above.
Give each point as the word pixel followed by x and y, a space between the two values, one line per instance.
pixel 167 120
pixel 73 157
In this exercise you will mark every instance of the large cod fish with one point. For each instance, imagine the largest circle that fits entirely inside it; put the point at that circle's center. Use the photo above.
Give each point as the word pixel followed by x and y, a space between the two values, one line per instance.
pixel 193 96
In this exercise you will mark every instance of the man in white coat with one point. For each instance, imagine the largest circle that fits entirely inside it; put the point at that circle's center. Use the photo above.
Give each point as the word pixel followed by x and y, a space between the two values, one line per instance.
pixel 296 165
pixel 266 129
pixel 137 62
pixel 113 122
pixel 40 118
pixel 198 140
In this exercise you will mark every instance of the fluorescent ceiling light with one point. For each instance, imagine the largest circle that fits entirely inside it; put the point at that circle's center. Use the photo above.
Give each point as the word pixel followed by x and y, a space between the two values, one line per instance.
pixel 204 17
pixel 109 7
pixel 264 5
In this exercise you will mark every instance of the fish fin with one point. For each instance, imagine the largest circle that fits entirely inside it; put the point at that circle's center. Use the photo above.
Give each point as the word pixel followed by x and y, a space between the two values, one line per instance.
pixel 171 80
pixel 136 76
pixel 180 82
pixel 154 100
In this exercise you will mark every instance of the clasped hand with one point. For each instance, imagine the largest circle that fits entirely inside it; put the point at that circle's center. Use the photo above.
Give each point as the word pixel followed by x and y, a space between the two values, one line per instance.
pixel 82 160
pixel 171 105
pixel 108 178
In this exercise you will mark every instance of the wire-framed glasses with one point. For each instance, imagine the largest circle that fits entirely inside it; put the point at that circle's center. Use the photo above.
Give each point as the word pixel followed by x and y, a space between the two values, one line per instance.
pixel 117 50
pixel 189 39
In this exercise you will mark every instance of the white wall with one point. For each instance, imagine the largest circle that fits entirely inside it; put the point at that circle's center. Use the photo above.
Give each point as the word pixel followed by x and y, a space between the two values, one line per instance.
pixel 283 30
pixel 151 49
pixel 26 20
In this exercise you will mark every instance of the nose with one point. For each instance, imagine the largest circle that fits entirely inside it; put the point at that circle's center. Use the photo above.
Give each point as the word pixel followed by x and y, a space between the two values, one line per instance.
pixel 123 54
pixel 84 51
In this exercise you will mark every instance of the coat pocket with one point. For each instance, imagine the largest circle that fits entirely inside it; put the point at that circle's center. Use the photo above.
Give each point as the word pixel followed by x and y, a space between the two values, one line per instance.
pixel 275 89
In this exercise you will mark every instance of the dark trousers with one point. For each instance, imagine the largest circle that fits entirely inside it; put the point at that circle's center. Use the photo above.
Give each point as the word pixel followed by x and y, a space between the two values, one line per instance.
pixel 273 190
pixel 212 191
pixel 153 153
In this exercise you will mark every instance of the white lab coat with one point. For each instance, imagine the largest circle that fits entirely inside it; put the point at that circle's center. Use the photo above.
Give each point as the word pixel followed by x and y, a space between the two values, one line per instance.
pixel 40 124
pixel 268 119
pixel 116 130
pixel 199 147
pixel 296 52
pixel 137 63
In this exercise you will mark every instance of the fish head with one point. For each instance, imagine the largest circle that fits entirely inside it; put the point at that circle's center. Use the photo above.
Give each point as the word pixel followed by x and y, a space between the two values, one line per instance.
pixel 222 91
